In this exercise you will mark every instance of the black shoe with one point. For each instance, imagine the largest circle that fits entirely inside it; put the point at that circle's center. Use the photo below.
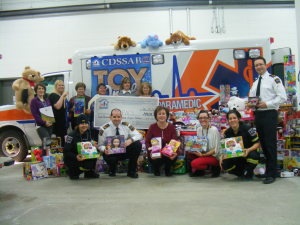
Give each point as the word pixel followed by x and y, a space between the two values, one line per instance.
pixel 112 174
pixel 157 173
pixel 168 174
pixel 133 175
pixel 198 173
pixel 260 175
pixel 269 180
pixel 74 177
pixel 216 170
pixel 91 175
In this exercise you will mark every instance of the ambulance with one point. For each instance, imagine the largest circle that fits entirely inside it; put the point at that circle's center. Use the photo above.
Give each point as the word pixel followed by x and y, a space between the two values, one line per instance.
pixel 198 71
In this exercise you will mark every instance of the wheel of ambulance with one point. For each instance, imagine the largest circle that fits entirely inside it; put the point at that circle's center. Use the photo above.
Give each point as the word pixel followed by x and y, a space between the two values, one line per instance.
pixel 13 145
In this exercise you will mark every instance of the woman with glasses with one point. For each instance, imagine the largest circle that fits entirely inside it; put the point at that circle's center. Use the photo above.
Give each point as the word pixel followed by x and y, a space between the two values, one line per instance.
pixel 206 156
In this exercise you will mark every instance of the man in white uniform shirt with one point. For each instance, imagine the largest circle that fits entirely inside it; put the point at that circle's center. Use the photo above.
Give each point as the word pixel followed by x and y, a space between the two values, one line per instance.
pixel 271 93
pixel 132 143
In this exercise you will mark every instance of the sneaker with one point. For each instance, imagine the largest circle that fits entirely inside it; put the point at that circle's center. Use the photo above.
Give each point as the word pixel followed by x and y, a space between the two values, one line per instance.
pixel 91 175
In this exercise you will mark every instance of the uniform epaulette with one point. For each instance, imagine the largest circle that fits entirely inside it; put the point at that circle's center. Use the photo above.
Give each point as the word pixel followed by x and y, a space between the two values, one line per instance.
pixel 105 126
pixel 128 125
pixel 277 79
pixel 101 130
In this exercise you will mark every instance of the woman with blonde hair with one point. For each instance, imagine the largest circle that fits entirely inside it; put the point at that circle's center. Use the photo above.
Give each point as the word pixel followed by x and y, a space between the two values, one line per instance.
pixel 59 102
pixel 145 90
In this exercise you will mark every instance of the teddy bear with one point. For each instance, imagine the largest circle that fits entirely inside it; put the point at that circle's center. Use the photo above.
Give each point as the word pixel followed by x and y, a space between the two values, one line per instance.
pixel 179 37
pixel 24 88
pixel 151 41
pixel 236 103
pixel 124 43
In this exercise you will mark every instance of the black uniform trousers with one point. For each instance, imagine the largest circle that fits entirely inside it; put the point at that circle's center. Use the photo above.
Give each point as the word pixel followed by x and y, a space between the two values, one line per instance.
pixel 241 166
pixel 132 153
pixel 75 168
pixel 266 126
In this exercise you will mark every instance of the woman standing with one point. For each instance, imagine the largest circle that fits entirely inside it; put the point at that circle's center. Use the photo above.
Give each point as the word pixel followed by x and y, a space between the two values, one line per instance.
pixel 59 102
pixel 101 90
pixel 210 135
pixel 78 103
pixel 125 88
pixel 241 166
pixel 145 90
pixel 44 127
pixel 166 131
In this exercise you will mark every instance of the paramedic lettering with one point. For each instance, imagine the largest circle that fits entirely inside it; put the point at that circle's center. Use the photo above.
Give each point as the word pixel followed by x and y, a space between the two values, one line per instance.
pixel 180 103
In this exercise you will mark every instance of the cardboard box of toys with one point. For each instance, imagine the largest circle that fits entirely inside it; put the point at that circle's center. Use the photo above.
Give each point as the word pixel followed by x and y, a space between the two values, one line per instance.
pixel 34 170
pixel 232 147
pixel 87 150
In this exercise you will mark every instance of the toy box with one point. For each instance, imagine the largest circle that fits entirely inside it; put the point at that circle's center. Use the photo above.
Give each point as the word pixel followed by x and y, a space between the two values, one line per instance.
pixel 170 148
pixel 155 147
pixel 195 144
pixel 34 170
pixel 87 150
pixel 232 147
pixel 115 144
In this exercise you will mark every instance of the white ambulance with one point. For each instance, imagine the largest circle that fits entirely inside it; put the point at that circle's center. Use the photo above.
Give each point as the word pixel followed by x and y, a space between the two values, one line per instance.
pixel 175 71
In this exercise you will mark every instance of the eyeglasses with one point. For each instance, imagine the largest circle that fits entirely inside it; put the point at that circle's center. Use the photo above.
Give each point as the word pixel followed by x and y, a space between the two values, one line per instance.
pixel 260 64
pixel 203 118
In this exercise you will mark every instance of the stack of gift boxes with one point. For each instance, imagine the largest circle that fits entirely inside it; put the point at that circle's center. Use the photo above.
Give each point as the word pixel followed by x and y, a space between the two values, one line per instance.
pixel 45 162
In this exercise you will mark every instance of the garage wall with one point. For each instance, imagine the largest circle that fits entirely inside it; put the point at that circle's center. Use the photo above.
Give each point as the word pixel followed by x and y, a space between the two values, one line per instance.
pixel 46 43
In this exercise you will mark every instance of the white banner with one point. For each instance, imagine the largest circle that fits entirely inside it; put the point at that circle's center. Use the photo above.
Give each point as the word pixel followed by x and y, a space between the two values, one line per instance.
pixel 138 111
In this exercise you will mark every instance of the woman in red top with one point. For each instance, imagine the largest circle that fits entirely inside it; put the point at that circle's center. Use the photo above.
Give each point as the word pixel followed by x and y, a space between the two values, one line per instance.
pixel 166 131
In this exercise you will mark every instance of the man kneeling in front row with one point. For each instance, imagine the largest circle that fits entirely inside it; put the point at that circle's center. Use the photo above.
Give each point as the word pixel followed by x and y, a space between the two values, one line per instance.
pixel 132 144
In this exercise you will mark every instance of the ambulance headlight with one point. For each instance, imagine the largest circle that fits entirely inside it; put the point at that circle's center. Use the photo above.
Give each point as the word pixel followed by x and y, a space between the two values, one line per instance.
pixel 158 59
pixel 254 53
pixel 239 54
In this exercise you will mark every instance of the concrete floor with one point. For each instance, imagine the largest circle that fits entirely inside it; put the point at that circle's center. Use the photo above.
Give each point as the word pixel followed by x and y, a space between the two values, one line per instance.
pixel 149 200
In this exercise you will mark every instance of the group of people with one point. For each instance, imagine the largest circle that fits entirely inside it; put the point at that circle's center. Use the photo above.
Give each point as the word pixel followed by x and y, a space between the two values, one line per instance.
pixel 268 88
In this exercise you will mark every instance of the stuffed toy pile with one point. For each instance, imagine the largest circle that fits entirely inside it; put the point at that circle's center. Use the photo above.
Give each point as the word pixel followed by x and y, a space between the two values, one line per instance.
pixel 24 88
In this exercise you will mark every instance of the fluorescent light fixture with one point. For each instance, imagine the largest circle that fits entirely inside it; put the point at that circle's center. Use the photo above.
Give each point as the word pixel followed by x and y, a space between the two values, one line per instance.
pixel 254 53
pixel 239 54
pixel 158 59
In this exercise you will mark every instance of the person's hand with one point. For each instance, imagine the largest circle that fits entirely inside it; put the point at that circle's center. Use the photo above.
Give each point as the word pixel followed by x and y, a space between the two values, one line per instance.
pixel 80 157
pixel 261 104
pixel 246 152
pixel 220 162
pixel 128 142
pixel 87 111
pixel 95 144
pixel 173 156
pixel 48 124
pixel 65 94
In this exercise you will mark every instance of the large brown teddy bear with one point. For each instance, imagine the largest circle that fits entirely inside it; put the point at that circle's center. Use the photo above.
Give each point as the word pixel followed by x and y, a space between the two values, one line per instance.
pixel 124 43
pixel 23 88
pixel 179 37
